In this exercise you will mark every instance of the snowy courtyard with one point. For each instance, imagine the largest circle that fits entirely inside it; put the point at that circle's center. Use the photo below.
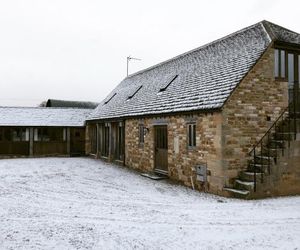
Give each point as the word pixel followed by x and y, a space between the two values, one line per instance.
pixel 81 203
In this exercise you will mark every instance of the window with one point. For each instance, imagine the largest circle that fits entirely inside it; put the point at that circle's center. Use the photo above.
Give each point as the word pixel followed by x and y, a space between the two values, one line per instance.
pixel 191 135
pixel 168 83
pixel 14 134
pixel 64 134
pixel 279 63
pixel 282 63
pixel 20 134
pixel 134 92
pixel 25 136
pixel 105 139
pixel 141 134
pixel 108 100
pixel 37 134
pixel 291 73
pixel 276 63
pixel 299 69
pixel 49 134
pixel 120 141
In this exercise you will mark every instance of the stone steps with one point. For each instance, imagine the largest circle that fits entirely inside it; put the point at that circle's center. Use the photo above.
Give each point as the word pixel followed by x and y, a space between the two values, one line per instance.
pixel 283 136
pixel 242 194
pixel 244 185
pixel 249 176
pixel 265 157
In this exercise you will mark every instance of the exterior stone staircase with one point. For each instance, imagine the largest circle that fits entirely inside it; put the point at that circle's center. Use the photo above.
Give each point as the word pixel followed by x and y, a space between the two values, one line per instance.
pixel 268 156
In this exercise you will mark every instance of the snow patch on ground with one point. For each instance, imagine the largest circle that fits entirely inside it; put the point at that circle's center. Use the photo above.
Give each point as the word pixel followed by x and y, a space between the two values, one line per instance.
pixel 81 203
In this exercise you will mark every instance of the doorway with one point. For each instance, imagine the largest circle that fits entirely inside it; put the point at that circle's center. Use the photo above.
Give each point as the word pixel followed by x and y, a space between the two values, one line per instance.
pixel 161 149
pixel 77 142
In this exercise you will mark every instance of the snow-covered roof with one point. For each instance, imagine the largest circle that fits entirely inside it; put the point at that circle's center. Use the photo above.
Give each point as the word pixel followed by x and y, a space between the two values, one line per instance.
pixel 37 116
pixel 200 79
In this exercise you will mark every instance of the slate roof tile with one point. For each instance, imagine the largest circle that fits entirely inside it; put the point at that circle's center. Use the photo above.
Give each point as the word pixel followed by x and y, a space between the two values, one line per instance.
pixel 37 116
pixel 206 75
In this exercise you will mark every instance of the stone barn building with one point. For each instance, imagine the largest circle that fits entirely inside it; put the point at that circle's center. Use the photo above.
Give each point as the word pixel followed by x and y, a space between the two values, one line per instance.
pixel 222 118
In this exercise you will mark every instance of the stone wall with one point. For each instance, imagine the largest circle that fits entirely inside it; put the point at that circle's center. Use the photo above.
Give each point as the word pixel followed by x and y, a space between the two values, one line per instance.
pixel 224 138
pixel 181 159
pixel 249 112
pixel 284 178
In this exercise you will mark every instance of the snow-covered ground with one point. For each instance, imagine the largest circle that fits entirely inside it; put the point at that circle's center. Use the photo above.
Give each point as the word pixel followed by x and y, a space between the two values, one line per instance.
pixel 80 203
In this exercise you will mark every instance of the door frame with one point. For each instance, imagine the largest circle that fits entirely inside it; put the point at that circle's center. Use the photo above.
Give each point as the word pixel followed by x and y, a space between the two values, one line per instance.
pixel 158 170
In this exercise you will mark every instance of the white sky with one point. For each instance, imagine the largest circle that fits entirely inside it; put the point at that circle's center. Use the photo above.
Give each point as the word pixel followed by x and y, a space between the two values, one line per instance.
pixel 76 49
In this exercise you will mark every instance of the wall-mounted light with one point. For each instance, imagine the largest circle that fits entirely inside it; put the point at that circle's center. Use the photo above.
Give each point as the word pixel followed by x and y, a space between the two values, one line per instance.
pixel 146 130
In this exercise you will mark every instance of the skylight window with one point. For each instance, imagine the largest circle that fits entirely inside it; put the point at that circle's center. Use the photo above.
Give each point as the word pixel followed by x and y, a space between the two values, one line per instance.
pixel 167 83
pixel 108 100
pixel 135 90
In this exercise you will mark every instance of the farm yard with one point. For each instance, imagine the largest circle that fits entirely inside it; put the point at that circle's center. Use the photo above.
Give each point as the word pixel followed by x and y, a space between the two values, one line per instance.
pixel 82 203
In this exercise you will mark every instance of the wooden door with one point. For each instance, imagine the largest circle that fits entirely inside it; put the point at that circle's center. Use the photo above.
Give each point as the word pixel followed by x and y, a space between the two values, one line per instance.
pixel 78 141
pixel 120 141
pixel 161 149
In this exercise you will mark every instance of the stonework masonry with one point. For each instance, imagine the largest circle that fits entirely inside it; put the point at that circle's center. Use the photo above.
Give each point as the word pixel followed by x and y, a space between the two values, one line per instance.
pixel 285 175
pixel 224 138
pixel 181 159
pixel 250 110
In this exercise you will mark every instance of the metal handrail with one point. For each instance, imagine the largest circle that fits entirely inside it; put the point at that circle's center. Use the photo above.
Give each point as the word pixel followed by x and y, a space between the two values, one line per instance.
pixel 274 124
pixel 289 110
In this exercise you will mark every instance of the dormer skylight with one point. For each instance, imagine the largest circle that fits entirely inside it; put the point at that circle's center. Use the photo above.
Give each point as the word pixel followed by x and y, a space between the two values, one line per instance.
pixel 108 100
pixel 135 90
pixel 167 83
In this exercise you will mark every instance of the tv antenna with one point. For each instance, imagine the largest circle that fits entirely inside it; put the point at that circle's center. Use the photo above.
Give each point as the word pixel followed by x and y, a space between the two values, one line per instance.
pixel 131 58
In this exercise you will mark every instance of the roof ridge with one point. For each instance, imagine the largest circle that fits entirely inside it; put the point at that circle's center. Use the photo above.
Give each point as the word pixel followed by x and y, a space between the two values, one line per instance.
pixel 193 50
pixel 267 28
pixel 265 22
pixel 47 108
pixel 70 100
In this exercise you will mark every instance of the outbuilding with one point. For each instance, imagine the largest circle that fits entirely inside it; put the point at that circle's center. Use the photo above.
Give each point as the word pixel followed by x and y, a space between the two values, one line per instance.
pixel 36 131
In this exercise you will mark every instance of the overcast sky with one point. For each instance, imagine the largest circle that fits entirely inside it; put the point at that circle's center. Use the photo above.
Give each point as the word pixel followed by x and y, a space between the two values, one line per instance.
pixel 76 50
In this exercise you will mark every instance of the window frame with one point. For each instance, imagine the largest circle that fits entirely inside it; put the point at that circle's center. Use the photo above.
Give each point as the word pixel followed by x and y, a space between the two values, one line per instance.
pixel 134 92
pixel 46 134
pixel 282 69
pixel 169 81
pixel 1 134
pixel 14 134
pixel 141 131
pixel 120 140
pixel 191 135
pixel 109 98
pixel 296 61
pixel 105 141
